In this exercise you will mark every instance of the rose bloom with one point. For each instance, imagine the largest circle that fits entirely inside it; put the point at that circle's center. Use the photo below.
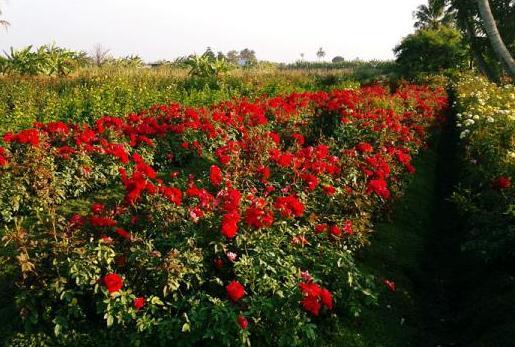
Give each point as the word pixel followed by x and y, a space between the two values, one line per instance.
pixel 320 228
pixel 501 182
pixel 311 304
pixel 230 225
pixel 231 256
pixel 364 147
pixel 390 285
pixel 215 175
pixel 97 208
pixel 306 277
pixel 138 303
pixel 235 291
pixel 113 282
pixel 243 322
pixel 219 263
pixel 329 190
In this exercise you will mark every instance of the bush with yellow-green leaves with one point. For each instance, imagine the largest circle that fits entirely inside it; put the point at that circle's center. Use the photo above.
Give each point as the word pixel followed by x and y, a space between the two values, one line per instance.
pixel 485 194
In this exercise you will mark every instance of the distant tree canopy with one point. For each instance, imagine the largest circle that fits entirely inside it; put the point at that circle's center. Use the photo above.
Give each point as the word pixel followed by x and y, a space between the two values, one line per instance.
pixel 434 14
pixel 338 59
pixel 487 28
pixel 430 50
pixel 320 53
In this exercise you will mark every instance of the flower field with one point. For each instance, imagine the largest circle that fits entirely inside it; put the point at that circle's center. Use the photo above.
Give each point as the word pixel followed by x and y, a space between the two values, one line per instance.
pixel 234 223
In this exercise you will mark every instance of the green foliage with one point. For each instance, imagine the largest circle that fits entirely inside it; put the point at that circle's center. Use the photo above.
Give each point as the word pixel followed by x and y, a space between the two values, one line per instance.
pixel 48 60
pixel 430 51
pixel 206 70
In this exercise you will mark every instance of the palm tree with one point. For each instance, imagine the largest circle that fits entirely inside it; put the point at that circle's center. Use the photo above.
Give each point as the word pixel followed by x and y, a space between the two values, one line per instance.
pixel 432 15
pixel 496 41
pixel 4 23
pixel 320 53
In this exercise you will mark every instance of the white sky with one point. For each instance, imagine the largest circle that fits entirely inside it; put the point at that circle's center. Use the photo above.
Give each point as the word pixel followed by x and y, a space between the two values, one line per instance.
pixel 278 30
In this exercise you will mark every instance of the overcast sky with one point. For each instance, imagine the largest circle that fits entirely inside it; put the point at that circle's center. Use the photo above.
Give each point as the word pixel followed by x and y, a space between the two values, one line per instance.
pixel 278 30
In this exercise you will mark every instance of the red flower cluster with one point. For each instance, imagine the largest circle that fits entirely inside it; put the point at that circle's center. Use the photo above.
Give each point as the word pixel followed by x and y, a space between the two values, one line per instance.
pixel 29 136
pixel 379 187
pixel 289 206
pixel 258 216
pixel 314 297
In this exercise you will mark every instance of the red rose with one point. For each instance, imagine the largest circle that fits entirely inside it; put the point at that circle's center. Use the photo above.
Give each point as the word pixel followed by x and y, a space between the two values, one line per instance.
pixel 348 227
pixel 327 298
pixel 364 147
pixel 215 175
pixel 310 289
pixel 380 187
pixel 289 206
pixel 501 182
pixel 102 221
pixel 123 233
pixel 243 322
pixel 320 228
pixel 335 230
pixel 329 190
pixel 311 304
pixel 311 181
pixel 265 173
pixel 235 291
pixel 390 285
pixel 97 208
pixel 230 224
pixel 113 282
pixel 299 139
pixel 219 263
pixel 138 303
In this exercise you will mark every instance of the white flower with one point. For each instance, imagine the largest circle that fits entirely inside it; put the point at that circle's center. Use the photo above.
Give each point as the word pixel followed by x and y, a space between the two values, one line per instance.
pixel 489 119
pixel 468 122
pixel 464 133
pixel 476 117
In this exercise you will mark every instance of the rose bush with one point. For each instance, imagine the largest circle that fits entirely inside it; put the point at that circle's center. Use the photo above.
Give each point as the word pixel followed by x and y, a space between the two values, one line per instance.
pixel 485 196
pixel 232 223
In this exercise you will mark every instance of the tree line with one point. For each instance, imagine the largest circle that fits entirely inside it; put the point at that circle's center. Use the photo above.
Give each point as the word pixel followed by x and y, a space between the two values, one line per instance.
pixel 452 33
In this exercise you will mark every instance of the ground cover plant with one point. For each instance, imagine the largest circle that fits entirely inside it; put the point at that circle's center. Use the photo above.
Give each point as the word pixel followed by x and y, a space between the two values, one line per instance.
pixel 232 223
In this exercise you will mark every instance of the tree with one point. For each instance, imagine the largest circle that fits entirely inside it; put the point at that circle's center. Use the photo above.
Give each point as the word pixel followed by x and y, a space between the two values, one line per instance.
pixel 233 56
pixel 209 54
pixel 4 23
pixel 432 15
pixel 248 57
pixel 430 51
pixel 468 20
pixel 302 56
pixel 338 59
pixel 502 53
pixel 221 56
pixel 320 53
pixel 100 54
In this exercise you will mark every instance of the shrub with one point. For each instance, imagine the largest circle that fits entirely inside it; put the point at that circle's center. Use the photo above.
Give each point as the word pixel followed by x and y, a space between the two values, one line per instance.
pixel 227 224
pixel 430 51
pixel 485 196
